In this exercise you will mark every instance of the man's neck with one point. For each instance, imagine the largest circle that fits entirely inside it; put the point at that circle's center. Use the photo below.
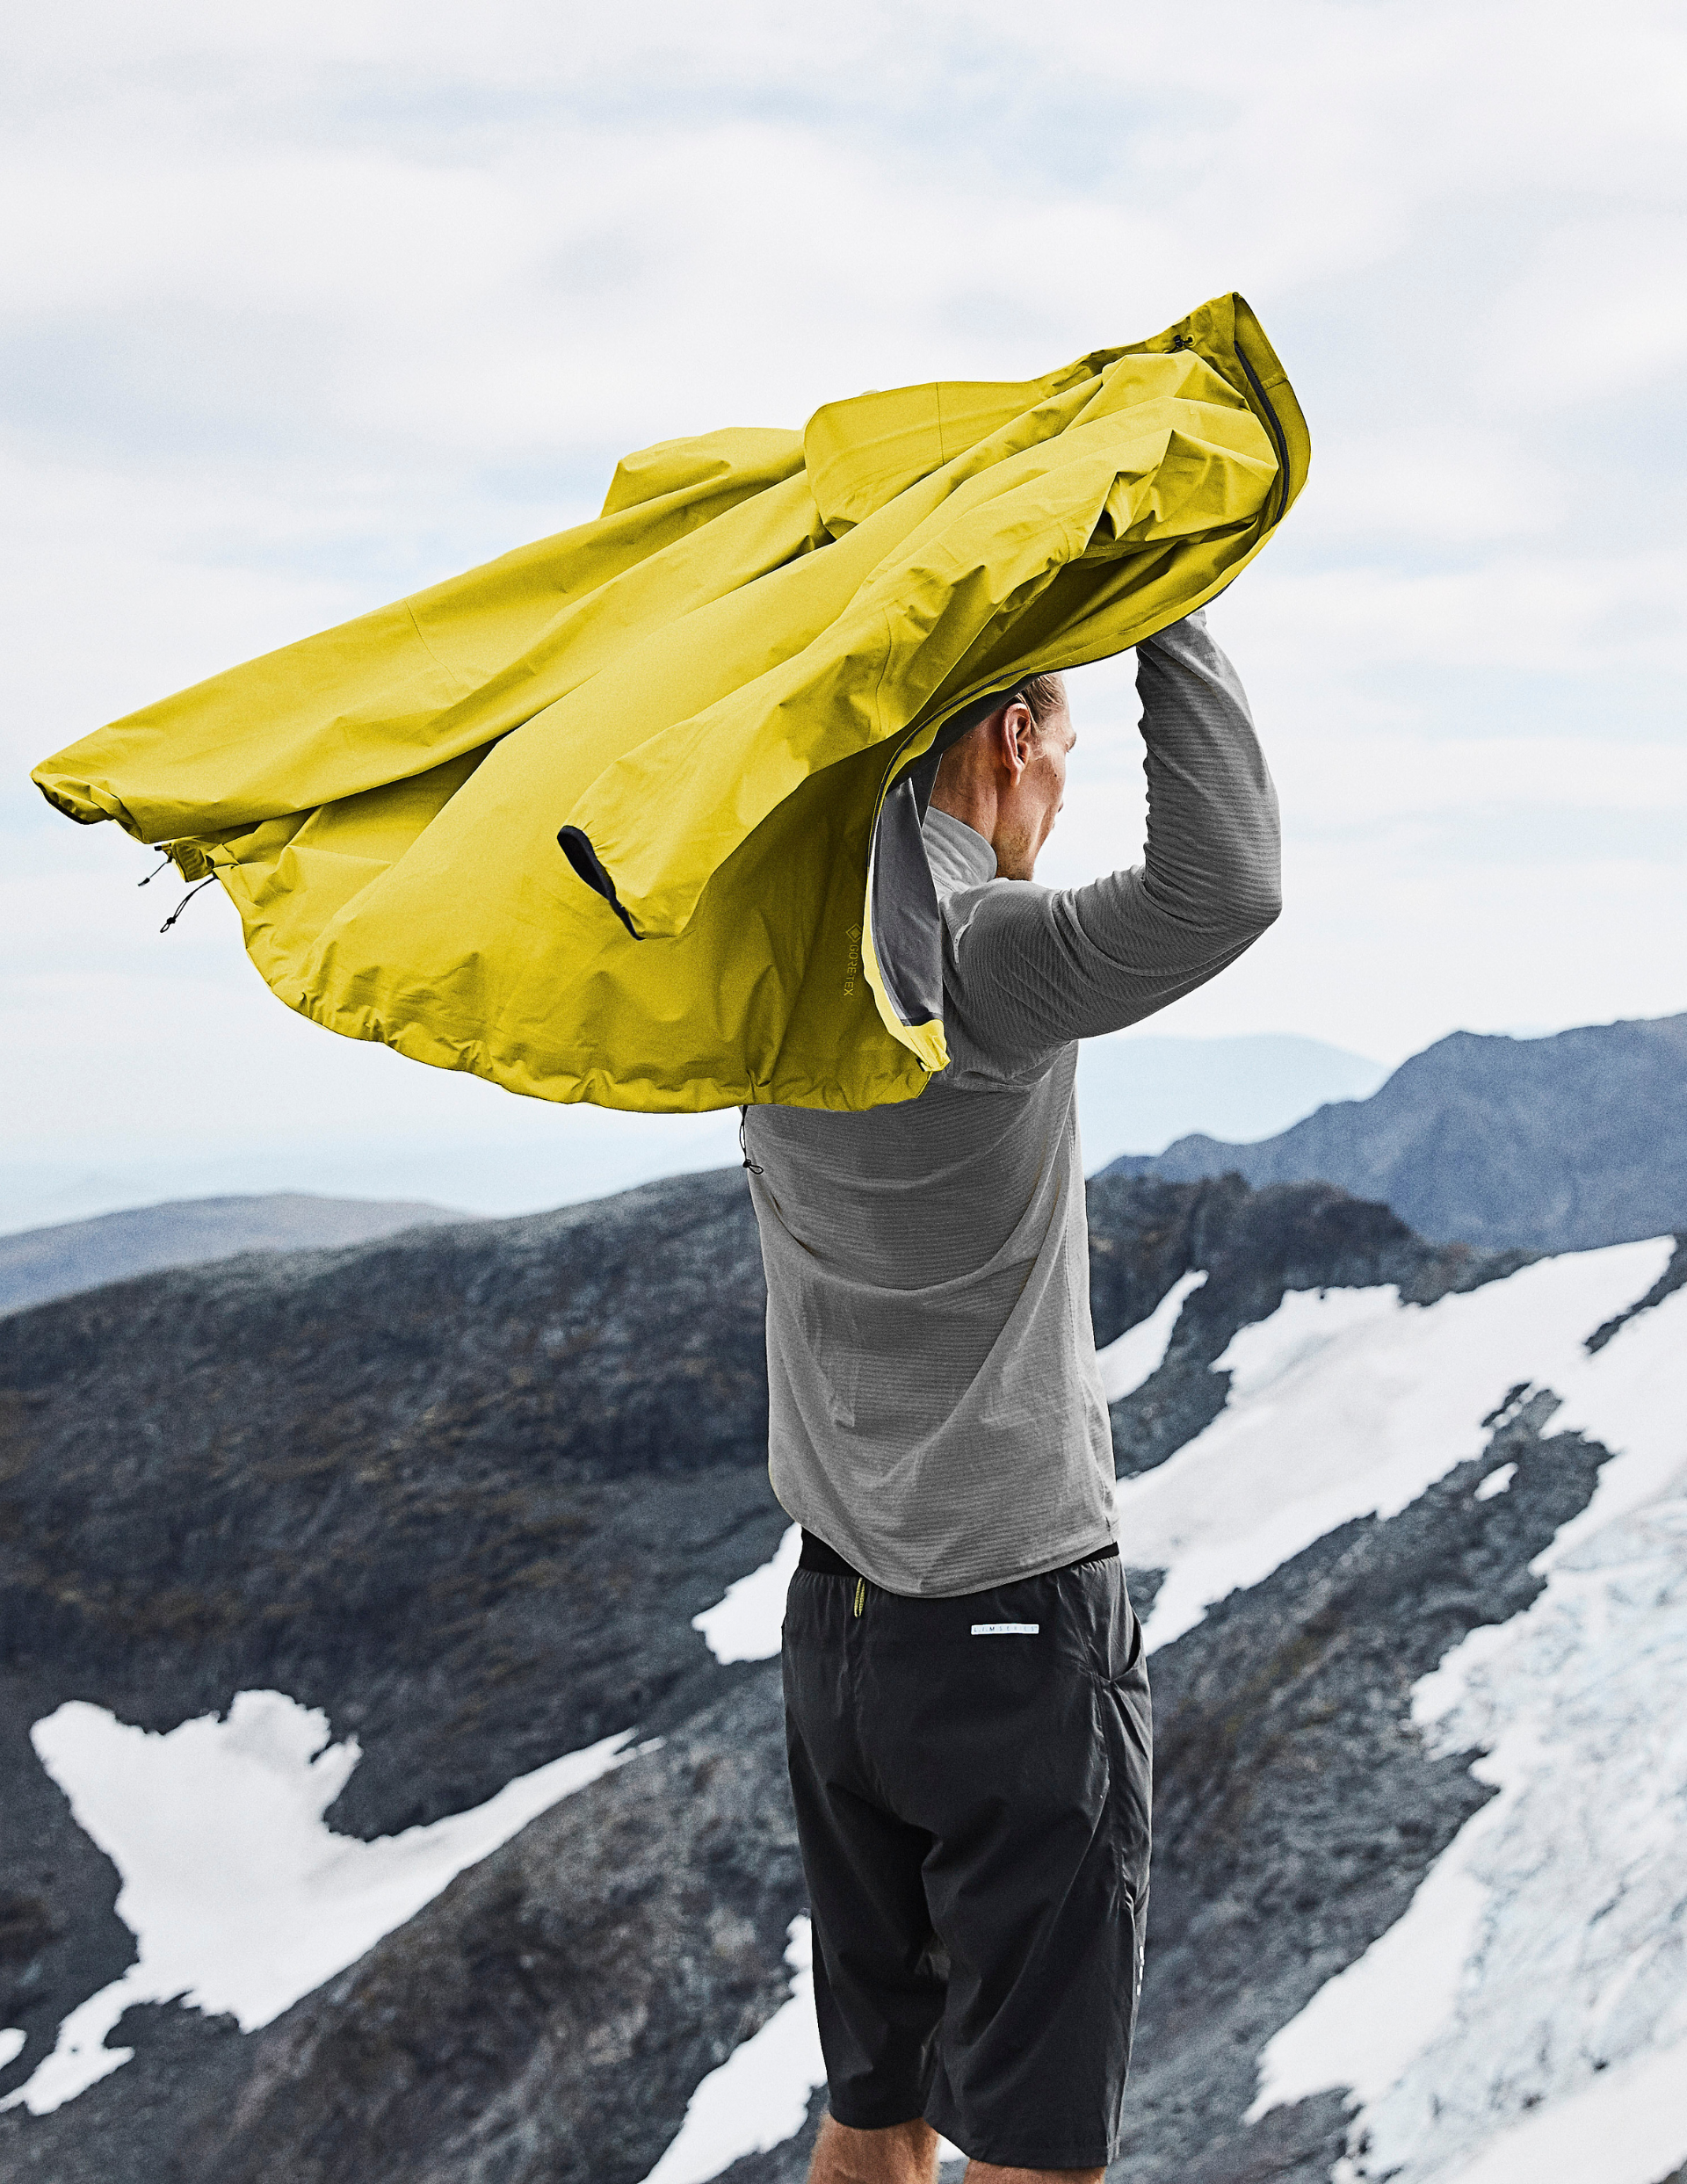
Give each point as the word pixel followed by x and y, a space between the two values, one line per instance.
pixel 980 809
pixel 973 803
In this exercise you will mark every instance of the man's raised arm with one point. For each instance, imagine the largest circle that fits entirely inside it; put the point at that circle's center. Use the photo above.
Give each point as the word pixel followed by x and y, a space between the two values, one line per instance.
pixel 1031 967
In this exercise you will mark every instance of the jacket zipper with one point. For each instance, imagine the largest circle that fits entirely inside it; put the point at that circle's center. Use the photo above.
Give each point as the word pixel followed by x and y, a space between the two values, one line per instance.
pixel 1280 439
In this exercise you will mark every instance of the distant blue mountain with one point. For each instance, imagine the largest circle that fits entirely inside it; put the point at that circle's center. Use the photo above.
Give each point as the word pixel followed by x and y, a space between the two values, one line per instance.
pixel 1135 1092
pixel 1559 1144
pixel 40 1264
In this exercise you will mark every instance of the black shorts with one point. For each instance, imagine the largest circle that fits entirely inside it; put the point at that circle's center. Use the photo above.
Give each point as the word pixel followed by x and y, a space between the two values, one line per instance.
pixel 973 1802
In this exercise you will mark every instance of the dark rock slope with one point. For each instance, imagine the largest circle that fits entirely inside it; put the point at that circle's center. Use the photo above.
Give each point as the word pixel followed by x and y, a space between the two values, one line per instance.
pixel 1558 1144
pixel 411 1484
pixel 1295 1810
pixel 551 2013
pixel 464 1491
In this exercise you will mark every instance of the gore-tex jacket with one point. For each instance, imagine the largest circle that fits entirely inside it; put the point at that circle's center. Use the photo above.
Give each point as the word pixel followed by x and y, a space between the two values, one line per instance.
pixel 633 814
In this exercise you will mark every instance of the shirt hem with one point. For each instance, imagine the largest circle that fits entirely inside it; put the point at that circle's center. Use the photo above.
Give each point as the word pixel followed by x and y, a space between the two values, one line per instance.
pixel 1080 1546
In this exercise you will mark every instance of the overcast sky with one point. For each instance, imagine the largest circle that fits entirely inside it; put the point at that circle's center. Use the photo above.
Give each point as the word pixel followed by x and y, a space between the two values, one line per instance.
pixel 308 304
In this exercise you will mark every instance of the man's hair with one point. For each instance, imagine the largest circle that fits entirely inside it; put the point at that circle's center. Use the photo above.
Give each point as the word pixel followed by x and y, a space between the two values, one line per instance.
pixel 1045 694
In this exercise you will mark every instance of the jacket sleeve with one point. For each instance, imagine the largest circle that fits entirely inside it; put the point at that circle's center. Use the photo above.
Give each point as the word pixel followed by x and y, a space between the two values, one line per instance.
pixel 1029 968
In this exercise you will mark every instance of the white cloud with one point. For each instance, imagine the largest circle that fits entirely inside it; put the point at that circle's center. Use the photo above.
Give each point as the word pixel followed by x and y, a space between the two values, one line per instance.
pixel 1605 322
pixel 1387 778
pixel 1461 489
pixel 1565 612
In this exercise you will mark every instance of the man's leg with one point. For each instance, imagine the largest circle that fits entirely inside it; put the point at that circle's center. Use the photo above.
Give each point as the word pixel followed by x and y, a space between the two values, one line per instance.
pixel 907 2153
pixel 987 2172
pixel 879 1989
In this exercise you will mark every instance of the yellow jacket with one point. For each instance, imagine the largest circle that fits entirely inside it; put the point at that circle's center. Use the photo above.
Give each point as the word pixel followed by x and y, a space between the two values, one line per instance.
pixel 632 815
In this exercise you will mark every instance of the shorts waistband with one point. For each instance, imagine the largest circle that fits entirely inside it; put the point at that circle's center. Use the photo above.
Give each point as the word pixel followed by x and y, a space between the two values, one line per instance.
pixel 816 1555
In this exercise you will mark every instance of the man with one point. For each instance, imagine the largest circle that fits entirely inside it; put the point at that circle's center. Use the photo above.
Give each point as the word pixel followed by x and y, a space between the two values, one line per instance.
pixel 967 1700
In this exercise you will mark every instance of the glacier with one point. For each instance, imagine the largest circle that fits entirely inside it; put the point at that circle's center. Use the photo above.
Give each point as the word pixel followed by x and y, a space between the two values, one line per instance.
pixel 1527 2018
pixel 1348 1403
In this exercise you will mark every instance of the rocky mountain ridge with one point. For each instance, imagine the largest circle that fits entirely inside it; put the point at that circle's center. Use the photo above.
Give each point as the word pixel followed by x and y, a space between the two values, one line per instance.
pixel 1558 1144
pixel 465 1490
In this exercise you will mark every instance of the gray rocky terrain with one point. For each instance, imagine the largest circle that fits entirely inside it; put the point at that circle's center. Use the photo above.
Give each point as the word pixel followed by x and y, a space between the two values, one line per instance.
pixel 464 1490
pixel 1559 1144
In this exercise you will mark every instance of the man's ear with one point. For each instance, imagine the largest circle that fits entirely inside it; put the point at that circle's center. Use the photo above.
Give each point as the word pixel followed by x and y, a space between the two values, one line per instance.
pixel 1018 733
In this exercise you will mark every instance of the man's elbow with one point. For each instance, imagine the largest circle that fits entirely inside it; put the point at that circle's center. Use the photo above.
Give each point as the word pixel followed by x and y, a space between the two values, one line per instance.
pixel 1229 910
pixel 1252 910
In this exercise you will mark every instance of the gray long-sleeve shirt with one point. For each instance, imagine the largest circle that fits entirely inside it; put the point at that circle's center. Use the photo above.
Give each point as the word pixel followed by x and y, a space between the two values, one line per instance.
pixel 936 1413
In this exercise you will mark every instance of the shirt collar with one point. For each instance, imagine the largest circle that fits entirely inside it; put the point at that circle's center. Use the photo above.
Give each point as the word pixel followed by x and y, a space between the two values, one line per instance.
pixel 958 854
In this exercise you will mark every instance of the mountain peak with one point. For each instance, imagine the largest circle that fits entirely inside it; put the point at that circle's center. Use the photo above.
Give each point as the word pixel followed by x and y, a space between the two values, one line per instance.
pixel 1563 1143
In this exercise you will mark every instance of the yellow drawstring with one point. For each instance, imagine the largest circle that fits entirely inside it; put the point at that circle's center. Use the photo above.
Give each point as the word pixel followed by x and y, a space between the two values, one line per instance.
pixel 860 1594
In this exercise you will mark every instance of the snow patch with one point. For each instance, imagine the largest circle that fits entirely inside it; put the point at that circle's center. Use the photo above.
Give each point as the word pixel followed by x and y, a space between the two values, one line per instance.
pixel 1141 1350
pixel 1348 1403
pixel 1496 1482
pixel 239 1897
pixel 759 2096
pixel 12 2044
pixel 1362 2029
pixel 744 1625
pixel 1526 2020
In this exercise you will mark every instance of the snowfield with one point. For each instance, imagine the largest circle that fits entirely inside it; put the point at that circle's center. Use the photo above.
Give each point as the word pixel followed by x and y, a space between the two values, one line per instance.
pixel 239 1895
pixel 1347 1403
pixel 759 2096
pixel 1139 1352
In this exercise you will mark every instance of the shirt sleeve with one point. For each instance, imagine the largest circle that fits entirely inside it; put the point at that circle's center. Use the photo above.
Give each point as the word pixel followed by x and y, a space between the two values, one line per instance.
pixel 1028 969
